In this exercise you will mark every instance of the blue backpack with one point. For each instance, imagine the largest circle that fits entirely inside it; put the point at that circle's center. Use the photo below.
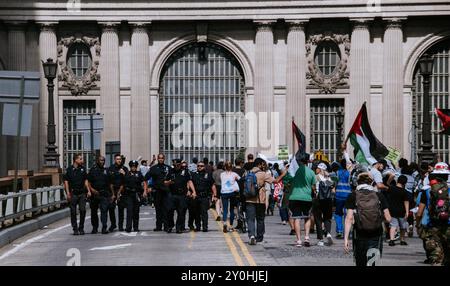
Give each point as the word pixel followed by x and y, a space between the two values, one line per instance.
pixel 251 185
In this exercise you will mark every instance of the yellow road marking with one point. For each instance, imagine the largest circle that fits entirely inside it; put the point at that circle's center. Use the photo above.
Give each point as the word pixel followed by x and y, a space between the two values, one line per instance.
pixel 191 241
pixel 231 246
pixel 244 249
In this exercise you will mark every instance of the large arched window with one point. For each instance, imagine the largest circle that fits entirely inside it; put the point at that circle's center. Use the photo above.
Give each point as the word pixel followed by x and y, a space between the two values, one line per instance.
pixel 439 98
pixel 202 104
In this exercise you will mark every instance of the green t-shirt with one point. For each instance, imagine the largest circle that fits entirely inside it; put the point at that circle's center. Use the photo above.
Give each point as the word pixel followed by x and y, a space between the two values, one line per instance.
pixel 301 185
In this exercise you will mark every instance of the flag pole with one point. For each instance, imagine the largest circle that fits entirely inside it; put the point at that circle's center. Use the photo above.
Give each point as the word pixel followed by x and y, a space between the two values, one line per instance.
pixel 293 139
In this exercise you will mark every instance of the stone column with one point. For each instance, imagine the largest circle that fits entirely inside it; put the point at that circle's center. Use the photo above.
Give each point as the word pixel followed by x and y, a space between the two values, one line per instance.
pixel 110 83
pixel 264 83
pixel 295 80
pixel 359 71
pixel 140 91
pixel 33 63
pixel 393 85
pixel 16 62
pixel 47 49
pixel 3 65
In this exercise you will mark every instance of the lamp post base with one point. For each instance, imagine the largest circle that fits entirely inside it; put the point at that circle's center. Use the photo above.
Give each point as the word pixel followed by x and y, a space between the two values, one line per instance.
pixel 426 156
pixel 51 157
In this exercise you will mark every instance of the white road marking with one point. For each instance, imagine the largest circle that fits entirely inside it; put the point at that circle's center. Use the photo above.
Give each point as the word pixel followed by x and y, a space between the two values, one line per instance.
pixel 30 241
pixel 118 246
pixel 145 213
pixel 132 234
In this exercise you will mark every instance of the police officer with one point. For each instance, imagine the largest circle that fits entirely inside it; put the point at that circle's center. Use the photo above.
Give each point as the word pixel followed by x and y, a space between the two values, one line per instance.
pixel 204 185
pixel 117 172
pixel 101 195
pixel 76 188
pixel 133 192
pixel 158 174
pixel 178 181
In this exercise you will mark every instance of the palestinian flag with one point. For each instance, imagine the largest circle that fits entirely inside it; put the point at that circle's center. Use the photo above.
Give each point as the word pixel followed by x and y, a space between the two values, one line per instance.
pixel 444 115
pixel 368 149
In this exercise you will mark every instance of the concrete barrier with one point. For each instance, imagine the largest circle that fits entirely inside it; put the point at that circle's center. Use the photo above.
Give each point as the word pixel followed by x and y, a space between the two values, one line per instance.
pixel 9 206
pixel 45 196
pixel 51 196
pixel 38 199
pixel 29 202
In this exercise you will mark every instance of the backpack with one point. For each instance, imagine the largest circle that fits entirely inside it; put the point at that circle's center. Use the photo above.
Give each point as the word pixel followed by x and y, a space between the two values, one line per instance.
pixel 325 188
pixel 439 203
pixel 368 215
pixel 251 187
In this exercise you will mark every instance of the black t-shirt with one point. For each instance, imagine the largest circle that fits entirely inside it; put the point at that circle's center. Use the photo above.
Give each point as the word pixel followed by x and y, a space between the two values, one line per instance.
pixel 351 205
pixel 116 178
pixel 180 179
pixel 133 182
pixel 396 198
pixel 99 179
pixel 241 182
pixel 203 183
pixel 76 178
pixel 158 173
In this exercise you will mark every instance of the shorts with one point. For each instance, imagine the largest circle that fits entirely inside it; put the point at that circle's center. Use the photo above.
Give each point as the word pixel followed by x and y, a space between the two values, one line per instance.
pixel 300 209
pixel 399 222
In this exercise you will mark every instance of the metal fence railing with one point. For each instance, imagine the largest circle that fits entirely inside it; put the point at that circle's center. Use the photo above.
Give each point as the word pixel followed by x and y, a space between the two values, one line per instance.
pixel 30 202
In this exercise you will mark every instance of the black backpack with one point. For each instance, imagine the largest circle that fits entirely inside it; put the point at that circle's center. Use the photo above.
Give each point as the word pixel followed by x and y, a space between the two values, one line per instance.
pixel 325 189
pixel 368 215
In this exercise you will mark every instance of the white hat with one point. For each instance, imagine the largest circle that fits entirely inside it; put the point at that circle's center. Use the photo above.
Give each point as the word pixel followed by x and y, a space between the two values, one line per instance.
pixel 441 168
pixel 322 166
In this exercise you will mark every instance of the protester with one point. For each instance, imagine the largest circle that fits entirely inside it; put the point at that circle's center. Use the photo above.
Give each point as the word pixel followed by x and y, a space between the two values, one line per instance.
pixel 218 183
pixel 229 189
pixel 366 208
pixel 398 202
pixel 324 210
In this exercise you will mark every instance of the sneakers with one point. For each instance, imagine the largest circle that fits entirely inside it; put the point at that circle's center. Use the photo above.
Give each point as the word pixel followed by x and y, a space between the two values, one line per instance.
pixel 403 243
pixel 292 232
pixel 225 230
pixel 329 240
pixel 218 218
pixel 252 240
pixel 298 243
pixel 391 243
pixel 283 223
pixel 320 243
pixel 410 231
pixel 397 236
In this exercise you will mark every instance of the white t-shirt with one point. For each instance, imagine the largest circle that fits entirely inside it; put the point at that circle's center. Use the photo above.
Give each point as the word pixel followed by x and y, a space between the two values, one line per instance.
pixel 377 177
pixel 229 182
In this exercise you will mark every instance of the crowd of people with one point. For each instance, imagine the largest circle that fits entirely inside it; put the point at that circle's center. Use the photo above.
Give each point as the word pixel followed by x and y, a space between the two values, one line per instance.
pixel 370 204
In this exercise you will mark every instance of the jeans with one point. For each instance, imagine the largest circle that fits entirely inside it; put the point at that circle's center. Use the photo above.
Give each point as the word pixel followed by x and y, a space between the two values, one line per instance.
pixel 79 200
pixel 284 214
pixel 339 215
pixel 323 213
pixel 178 204
pixel 133 207
pixel 228 200
pixel 256 212
pixel 361 247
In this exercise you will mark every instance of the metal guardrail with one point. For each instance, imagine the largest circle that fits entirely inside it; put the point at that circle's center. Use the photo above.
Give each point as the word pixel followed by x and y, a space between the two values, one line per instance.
pixel 16 205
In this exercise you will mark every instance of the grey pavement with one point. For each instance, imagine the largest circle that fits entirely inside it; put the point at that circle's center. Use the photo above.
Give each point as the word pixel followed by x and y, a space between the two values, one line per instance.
pixel 54 245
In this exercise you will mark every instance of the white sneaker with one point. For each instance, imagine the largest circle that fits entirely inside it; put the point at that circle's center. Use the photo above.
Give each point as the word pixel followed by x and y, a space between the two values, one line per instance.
pixel 298 243
pixel 329 239
pixel 320 243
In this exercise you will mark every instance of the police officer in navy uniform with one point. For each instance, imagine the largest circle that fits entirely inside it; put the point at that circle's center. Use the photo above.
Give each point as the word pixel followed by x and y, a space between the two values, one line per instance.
pixel 178 181
pixel 133 193
pixel 158 174
pixel 77 189
pixel 205 190
pixel 117 173
pixel 101 195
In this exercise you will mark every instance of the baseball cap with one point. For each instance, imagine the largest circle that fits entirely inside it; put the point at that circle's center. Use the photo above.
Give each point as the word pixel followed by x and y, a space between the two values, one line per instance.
pixel 441 168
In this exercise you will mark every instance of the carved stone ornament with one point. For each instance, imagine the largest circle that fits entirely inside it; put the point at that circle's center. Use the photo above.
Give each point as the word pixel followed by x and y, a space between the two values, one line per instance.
pixel 339 77
pixel 79 85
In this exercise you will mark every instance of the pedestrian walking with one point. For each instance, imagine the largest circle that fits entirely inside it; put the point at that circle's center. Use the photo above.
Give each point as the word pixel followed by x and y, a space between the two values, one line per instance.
pixel 398 201
pixel 101 195
pixel 323 213
pixel 218 184
pixel 228 191
pixel 117 172
pixel 365 211
pixel 77 190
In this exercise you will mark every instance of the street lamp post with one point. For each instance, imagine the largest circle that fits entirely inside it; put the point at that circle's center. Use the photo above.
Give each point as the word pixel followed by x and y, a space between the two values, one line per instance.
pixel 339 126
pixel 426 69
pixel 51 156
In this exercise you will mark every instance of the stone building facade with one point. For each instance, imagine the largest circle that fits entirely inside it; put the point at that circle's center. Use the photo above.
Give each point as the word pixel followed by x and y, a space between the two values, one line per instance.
pixel 137 62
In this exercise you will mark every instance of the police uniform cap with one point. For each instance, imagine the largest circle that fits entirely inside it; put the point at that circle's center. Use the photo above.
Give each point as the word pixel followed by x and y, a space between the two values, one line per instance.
pixel 133 163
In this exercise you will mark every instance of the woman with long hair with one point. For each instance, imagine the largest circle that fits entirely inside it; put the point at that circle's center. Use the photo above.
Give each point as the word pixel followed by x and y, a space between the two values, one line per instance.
pixel 217 182
pixel 230 188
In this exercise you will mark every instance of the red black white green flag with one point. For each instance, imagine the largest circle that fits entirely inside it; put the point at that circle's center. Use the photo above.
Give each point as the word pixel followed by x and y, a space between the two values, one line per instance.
pixel 444 116
pixel 367 148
